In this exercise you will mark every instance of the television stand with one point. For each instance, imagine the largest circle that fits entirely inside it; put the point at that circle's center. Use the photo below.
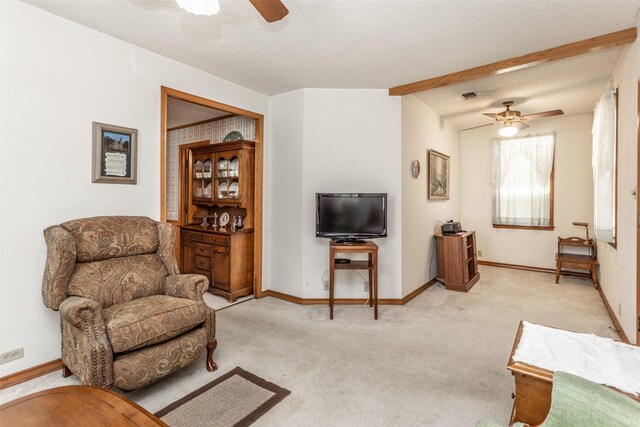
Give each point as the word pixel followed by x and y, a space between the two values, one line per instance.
pixel 349 241
pixel 371 264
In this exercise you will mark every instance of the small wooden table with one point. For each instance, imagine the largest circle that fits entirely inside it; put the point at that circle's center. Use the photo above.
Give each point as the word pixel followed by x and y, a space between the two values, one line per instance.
pixel 76 405
pixel 371 249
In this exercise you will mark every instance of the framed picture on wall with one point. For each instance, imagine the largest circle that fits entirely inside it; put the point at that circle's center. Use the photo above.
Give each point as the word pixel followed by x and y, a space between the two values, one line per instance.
pixel 114 154
pixel 438 180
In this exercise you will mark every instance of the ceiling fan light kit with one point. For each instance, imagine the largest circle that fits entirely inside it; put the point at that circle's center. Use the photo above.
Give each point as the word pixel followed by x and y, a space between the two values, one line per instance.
pixel 508 131
pixel 200 7
pixel 512 120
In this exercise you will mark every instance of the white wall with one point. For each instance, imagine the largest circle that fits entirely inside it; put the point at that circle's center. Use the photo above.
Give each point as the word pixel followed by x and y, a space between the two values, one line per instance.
pixel 324 141
pixel 56 78
pixel 573 189
pixel 285 192
pixel 424 129
pixel 351 144
pixel 618 265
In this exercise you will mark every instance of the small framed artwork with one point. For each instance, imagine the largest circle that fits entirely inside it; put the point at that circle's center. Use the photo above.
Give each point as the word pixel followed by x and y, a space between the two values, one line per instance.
pixel 114 154
pixel 438 182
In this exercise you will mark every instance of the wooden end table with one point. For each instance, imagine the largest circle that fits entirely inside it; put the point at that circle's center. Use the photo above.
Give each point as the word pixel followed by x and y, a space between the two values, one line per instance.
pixel 369 248
pixel 76 405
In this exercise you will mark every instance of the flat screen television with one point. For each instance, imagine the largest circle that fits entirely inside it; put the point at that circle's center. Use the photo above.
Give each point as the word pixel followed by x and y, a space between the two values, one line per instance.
pixel 349 217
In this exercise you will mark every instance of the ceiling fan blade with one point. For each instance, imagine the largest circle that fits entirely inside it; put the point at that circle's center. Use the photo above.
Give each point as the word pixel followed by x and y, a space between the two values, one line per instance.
pixel 481 126
pixel 494 116
pixel 271 10
pixel 520 125
pixel 543 114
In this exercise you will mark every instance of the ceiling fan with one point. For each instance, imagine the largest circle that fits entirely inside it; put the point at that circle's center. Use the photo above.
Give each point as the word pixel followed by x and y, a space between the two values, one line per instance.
pixel 271 10
pixel 512 120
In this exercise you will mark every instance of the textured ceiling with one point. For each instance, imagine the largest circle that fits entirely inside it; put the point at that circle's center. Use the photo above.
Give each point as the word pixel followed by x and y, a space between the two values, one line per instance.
pixel 348 44
pixel 182 113
pixel 573 85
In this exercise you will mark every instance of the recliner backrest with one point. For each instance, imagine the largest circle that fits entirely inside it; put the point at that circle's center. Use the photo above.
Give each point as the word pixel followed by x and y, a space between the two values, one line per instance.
pixel 109 259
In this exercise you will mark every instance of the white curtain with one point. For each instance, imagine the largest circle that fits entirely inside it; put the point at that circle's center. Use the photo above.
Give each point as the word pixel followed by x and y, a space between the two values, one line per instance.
pixel 522 180
pixel 604 167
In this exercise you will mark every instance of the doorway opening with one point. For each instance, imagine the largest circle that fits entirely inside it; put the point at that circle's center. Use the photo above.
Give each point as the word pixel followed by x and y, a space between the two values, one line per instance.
pixel 191 123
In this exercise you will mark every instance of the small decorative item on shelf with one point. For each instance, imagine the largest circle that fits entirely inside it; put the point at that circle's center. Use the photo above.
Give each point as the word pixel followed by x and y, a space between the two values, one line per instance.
pixel 204 223
pixel 233 136
pixel 215 220
pixel 238 222
pixel 207 191
pixel 224 220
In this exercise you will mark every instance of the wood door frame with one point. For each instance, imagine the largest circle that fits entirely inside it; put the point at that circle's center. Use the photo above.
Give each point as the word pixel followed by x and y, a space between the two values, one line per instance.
pixel 637 326
pixel 165 93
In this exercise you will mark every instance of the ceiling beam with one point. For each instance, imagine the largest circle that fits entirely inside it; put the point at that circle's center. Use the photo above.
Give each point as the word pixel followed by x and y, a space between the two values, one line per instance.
pixel 566 51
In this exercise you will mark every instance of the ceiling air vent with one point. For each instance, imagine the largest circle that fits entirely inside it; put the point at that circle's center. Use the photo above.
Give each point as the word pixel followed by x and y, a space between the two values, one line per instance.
pixel 469 95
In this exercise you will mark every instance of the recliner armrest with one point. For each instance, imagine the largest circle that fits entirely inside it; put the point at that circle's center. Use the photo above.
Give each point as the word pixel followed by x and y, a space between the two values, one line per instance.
pixel 76 309
pixel 189 286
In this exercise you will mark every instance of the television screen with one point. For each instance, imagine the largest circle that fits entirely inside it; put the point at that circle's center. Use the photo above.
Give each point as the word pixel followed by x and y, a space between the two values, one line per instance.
pixel 351 215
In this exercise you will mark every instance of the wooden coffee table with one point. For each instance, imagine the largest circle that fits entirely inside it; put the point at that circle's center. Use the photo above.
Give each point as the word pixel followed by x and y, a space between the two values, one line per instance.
pixel 76 406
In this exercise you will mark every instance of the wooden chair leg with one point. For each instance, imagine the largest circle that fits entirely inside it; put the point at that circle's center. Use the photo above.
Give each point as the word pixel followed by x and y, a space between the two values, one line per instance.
pixel 594 276
pixel 66 371
pixel 211 346
pixel 558 272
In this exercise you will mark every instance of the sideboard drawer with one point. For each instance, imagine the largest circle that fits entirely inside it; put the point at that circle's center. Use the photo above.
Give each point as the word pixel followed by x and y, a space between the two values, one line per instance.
pixel 217 239
pixel 193 236
pixel 202 249
pixel 202 263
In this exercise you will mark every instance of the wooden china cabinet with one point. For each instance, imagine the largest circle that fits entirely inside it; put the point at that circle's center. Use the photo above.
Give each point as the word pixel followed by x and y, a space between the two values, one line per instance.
pixel 217 184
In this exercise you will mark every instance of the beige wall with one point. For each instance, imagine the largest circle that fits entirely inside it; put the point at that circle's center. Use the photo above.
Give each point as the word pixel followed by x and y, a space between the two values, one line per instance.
pixel 573 192
pixel 618 265
pixel 423 129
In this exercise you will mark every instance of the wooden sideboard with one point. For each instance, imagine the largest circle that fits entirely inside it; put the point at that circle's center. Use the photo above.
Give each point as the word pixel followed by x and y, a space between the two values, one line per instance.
pixel 217 181
pixel 224 257
pixel 457 260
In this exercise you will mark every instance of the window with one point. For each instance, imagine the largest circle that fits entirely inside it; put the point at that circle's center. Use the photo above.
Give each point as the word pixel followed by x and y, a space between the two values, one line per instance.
pixel 523 182
pixel 604 166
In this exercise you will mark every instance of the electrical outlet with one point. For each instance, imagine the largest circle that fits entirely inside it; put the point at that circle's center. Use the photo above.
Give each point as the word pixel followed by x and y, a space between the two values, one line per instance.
pixel 12 355
pixel 326 285
pixel 366 286
pixel 479 254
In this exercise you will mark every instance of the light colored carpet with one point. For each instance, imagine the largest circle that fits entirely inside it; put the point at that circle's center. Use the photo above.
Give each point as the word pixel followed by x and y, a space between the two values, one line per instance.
pixel 439 360
pixel 236 399
pixel 218 302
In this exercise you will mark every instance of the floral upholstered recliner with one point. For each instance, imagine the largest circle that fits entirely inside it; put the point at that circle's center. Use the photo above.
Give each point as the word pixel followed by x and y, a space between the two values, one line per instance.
pixel 128 317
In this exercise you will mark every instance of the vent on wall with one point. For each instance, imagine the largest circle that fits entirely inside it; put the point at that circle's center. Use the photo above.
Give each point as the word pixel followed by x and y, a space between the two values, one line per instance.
pixel 469 95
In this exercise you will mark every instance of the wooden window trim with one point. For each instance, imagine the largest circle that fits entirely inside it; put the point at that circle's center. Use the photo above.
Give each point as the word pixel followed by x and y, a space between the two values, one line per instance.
pixel 525 227
pixel 614 244
pixel 551 225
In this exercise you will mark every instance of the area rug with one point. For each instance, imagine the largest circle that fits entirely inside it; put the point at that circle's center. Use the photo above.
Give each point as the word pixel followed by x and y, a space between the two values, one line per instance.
pixel 237 399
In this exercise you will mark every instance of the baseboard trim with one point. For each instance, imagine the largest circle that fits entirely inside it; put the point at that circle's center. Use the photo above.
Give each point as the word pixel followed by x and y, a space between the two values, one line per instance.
pixel 613 317
pixel 517 267
pixel 30 373
pixel 348 301
pixel 418 291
